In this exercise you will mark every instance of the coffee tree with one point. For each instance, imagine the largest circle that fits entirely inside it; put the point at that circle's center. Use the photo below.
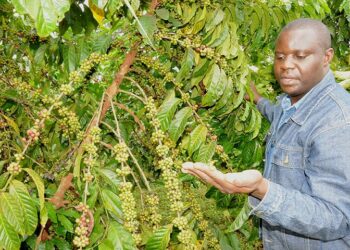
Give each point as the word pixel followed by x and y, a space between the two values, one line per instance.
pixel 102 101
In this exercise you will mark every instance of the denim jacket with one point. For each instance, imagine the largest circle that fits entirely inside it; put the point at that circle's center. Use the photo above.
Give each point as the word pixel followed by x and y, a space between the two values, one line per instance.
pixel 307 205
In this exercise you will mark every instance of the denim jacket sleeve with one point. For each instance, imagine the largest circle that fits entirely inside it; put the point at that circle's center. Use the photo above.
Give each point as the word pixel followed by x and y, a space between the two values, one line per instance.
pixel 325 214
pixel 266 108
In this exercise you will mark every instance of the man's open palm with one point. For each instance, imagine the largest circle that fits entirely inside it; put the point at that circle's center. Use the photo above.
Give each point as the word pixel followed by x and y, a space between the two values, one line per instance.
pixel 248 181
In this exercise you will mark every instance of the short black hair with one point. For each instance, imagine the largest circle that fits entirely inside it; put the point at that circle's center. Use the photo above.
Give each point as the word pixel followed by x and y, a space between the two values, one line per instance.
pixel 320 29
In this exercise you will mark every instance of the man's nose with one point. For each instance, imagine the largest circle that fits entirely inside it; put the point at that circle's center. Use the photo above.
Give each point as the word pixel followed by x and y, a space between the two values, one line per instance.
pixel 288 63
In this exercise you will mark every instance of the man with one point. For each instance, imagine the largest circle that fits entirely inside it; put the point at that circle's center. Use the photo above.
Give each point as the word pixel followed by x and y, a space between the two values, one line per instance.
pixel 303 198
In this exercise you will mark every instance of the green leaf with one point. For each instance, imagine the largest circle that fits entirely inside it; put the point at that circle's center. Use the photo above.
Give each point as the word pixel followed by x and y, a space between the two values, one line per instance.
pixel 255 22
pixel 41 193
pixel 117 239
pixel 199 21
pixel 39 185
pixel 26 205
pixel 220 37
pixel 61 244
pixel 226 98
pixel 200 71
pixel 252 122
pixel 27 7
pixel 71 212
pixel 2 163
pixel 44 216
pixel 51 212
pixel 9 239
pixel 45 13
pixel 186 65
pixel 109 176
pixel 167 110
pixel 112 203
pixel 97 233
pixel 79 18
pixel 215 86
pixel 102 43
pixel 246 111
pixel 240 96
pixel 257 125
pixel 160 239
pixel 46 20
pixel 205 152
pixel 149 26
pixel 76 170
pixel 112 7
pixel 40 54
pixel 178 125
pixel 163 13
pixel 65 222
pixel 70 58
pixel 241 218
pixel 216 18
pixel 12 124
pixel 12 212
pixel 197 138
pixel 188 12
pixel 3 179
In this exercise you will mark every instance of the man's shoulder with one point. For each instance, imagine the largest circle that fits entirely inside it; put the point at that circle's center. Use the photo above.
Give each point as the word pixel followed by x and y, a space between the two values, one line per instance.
pixel 334 106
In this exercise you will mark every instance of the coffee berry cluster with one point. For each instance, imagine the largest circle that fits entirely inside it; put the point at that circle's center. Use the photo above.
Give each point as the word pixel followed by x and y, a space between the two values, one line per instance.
pixel 185 237
pixel 151 108
pixel 165 163
pixel 69 122
pixel 44 114
pixel 220 151
pixel 33 134
pixel 129 210
pixel 25 89
pixel 181 222
pixel 66 89
pixel 81 238
pixel 14 168
pixel 121 152
pixel 124 171
pixel 151 215
pixel 88 177
pixel 203 225
pixel 169 174
pixel 95 134
pixel 77 76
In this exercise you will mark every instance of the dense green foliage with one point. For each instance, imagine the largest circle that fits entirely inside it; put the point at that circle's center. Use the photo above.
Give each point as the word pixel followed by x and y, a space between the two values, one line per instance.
pixel 102 100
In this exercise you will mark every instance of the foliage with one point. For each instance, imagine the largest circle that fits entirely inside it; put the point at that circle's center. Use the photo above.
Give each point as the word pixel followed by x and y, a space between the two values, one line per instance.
pixel 103 100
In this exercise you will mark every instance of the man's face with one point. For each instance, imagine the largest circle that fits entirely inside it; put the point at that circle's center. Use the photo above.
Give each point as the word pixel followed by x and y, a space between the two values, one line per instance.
pixel 300 61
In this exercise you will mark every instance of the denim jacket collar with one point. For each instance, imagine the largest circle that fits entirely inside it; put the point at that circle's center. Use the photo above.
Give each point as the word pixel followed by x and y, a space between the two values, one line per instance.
pixel 309 103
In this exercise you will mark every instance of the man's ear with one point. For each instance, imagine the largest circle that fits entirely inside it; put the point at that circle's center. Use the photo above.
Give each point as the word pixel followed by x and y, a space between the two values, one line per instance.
pixel 328 56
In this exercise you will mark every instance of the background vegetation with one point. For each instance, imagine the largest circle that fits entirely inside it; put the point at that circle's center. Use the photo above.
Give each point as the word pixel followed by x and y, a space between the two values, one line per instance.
pixel 102 100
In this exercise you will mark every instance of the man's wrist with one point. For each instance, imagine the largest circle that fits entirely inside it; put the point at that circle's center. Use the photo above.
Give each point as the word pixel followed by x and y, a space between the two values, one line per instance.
pixel 257 99
pixel 261 189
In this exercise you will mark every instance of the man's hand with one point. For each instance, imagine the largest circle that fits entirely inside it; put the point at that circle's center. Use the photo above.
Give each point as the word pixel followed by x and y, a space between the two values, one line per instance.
pixel 256 94
pixel 248 181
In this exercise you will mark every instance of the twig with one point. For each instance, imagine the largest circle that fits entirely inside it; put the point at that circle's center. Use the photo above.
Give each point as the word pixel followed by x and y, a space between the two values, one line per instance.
pixel 131 94
pixel 143 176
pixel 58 198
pixel 132 113
pixel 137 85
pixel 112 90
pixel 110 127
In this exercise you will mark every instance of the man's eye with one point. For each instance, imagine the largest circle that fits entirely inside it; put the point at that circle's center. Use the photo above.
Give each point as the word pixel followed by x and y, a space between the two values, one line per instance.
pixel 300 57
pixel 279 57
